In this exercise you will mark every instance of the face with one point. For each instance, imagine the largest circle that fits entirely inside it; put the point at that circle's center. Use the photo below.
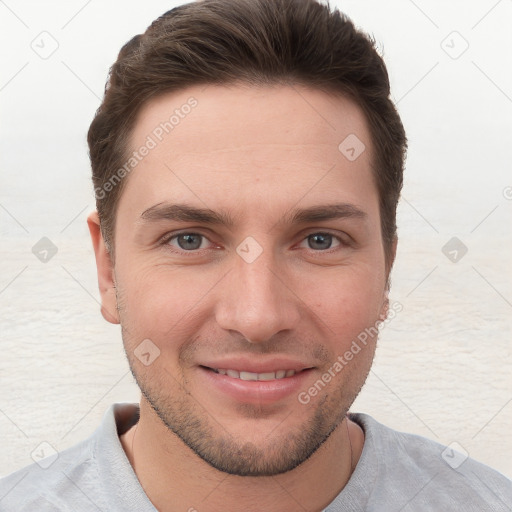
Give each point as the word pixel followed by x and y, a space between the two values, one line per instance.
pixel 249 258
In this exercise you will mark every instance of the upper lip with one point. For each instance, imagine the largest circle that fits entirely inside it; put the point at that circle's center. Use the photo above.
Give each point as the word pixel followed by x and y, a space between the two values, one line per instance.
pixel 257 365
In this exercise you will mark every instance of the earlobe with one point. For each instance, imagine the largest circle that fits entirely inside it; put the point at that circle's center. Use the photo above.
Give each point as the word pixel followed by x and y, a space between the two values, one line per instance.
pixel 384 308
pixel 105 270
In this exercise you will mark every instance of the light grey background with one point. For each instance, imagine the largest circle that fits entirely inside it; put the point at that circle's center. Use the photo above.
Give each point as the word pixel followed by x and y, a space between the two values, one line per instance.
pixel 443 366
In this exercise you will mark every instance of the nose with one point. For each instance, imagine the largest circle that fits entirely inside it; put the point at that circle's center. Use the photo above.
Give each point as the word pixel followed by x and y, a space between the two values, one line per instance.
pixel 256 299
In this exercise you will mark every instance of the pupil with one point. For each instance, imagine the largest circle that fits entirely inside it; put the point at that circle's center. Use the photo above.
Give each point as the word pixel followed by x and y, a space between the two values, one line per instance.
pixel 325 238
pixel 319 241
pixel 189 240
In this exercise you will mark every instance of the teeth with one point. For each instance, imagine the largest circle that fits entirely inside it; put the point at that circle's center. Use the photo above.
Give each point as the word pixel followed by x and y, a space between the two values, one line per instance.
pixel 266 376
pixel 280 374
pixel 248 376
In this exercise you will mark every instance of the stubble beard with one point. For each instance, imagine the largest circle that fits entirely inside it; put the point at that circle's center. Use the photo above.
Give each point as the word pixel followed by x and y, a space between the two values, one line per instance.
pixel 209 439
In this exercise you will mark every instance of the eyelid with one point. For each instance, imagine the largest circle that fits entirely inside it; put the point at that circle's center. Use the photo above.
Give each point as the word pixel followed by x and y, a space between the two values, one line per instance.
pixel 342 242
pixel 164 240
pixel 340 235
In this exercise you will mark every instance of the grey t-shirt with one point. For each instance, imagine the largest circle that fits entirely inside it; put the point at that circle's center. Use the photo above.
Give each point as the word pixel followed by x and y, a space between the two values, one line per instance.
pixel 396 472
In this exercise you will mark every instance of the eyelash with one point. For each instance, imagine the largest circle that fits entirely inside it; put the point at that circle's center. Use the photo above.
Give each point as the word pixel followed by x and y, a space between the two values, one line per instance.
pixel 164 241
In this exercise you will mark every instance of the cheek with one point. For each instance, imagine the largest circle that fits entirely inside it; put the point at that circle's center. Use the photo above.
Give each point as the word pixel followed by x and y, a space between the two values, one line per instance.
pixel 165 303
pixel 354 292
pixel 160 302
pixel 346 304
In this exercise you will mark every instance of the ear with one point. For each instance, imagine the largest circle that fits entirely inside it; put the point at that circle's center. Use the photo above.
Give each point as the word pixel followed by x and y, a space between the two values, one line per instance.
pixel 389 265
pixel 106 282
pixel 391 260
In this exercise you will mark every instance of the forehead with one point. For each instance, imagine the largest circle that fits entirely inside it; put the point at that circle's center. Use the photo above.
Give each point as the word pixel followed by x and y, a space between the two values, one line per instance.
pixel 252 146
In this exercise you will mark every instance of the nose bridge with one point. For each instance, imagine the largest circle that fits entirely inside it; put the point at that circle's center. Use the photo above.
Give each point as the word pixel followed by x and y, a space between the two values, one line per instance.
pixel 255 300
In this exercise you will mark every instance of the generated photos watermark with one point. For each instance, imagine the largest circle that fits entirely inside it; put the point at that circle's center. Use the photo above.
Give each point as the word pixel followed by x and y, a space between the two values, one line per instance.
pixel 304 397
pixel 151 142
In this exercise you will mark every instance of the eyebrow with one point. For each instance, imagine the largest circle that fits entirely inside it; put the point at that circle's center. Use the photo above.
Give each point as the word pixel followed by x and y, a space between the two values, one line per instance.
pixel 187 213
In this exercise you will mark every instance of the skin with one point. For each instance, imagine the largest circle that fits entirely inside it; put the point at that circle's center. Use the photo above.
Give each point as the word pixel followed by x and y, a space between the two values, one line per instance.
pixel 257 153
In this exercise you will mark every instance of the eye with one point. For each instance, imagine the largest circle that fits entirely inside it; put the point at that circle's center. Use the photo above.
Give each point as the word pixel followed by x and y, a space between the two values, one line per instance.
pixel 191 242
pixel 186 241
pixel 322 241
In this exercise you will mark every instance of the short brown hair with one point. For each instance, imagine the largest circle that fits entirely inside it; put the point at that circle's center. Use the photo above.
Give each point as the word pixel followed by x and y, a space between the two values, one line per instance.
pixel 259 42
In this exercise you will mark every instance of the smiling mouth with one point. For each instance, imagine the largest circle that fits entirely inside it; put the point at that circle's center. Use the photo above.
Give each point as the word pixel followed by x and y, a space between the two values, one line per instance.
pixel 243 375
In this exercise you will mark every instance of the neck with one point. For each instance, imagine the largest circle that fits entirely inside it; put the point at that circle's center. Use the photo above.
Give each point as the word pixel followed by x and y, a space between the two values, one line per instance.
pixel 175 478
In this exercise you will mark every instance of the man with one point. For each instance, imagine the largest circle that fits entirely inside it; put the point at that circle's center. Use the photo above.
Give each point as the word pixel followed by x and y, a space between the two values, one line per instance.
pixel 247 164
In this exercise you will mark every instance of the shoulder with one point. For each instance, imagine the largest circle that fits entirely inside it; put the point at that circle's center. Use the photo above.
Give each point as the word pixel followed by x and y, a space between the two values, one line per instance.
pixel 53 482
pixel 416 470
pixel 92 475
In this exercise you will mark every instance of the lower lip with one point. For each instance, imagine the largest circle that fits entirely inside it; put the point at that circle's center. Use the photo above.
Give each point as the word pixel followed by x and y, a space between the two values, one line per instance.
pixel 255 391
